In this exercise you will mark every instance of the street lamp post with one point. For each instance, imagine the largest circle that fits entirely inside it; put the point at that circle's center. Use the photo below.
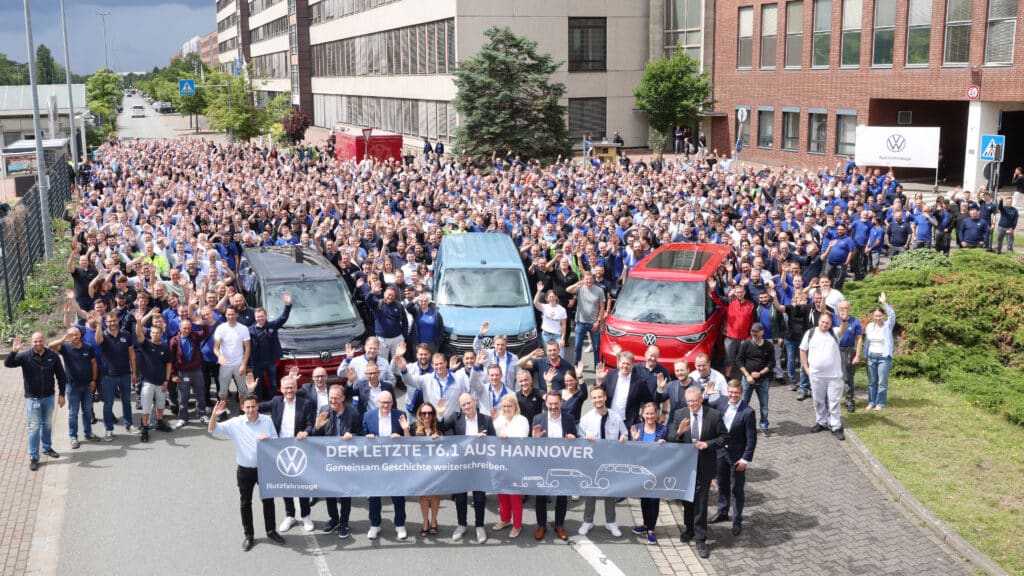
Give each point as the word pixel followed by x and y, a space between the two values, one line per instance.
pixel 44 185
pixel 103 15
pixel 67 80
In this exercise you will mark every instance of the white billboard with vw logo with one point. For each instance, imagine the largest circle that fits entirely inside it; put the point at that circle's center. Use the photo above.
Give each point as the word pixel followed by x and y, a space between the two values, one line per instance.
pixel 897 146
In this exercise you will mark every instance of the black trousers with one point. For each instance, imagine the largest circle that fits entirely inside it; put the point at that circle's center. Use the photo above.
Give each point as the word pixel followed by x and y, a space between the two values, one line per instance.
pixel 561 505
pixel 247 480
pixel 695 514
pixel 289 507
pixel 649 510
pixel 333 509
pixel 846 355
pixel 479 507
pixel 731 483
pixel 211 372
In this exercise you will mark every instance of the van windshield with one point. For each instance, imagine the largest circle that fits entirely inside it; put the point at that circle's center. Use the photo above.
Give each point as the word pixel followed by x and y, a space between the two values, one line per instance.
pixel 661 302
pixel 314 303
pixel 478 288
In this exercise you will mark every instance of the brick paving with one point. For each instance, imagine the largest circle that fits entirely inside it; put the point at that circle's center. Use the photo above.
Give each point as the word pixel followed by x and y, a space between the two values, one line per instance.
pixel 20 489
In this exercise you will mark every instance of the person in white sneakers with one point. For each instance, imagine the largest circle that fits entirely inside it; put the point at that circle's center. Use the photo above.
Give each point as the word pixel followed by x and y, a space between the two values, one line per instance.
pixel 601 424
pixel 822 362
pixel 385 422
pixel 469 422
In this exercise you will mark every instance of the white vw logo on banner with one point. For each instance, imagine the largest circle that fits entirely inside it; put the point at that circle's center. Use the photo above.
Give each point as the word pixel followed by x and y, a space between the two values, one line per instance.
pixel 291 461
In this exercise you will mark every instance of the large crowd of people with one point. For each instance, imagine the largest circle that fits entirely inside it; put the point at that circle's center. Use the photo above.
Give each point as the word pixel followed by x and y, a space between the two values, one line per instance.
pixel 155 309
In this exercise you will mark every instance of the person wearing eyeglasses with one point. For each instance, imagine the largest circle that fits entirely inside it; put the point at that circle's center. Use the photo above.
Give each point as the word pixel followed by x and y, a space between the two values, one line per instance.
pixel 426 425
pixel 509 423
pixel 385 422
pixel 469 422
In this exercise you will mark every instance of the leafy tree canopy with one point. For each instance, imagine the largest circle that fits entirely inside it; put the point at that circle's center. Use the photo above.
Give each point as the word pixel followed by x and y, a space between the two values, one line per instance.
pixel 673 91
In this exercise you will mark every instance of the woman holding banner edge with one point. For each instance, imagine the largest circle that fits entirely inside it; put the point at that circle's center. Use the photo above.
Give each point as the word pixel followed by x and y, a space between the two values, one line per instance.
pixel 510 424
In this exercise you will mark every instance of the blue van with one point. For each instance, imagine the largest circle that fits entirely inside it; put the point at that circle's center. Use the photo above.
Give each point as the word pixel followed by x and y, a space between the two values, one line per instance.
pixel 480 277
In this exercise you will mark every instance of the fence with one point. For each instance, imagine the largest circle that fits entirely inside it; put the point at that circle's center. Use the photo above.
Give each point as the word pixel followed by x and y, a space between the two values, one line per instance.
pixel 21 234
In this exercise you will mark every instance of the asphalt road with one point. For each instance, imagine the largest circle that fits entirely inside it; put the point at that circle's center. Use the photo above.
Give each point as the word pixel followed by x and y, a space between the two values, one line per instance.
pixel 152 126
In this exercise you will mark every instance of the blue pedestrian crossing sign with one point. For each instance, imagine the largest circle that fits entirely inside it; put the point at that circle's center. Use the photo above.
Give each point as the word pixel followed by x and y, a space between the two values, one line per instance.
pixel 186 87
pixel 992 146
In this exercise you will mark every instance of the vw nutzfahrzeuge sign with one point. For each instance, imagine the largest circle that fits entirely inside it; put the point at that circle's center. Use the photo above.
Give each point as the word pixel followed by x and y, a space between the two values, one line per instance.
pixel 291 461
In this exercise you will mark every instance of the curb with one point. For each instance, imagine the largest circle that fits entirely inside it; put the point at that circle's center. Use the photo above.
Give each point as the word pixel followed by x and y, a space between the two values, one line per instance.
pixel 937 527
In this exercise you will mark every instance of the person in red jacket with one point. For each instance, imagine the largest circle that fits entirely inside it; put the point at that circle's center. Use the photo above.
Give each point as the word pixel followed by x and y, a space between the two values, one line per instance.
pixel 187 360
pixel 739 317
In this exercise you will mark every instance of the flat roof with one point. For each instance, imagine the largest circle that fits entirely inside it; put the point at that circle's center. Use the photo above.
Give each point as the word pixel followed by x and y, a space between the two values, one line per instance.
pixel 18 99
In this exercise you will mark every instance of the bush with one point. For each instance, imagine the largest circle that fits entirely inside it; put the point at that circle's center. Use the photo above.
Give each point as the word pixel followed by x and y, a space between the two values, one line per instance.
pixel 959 322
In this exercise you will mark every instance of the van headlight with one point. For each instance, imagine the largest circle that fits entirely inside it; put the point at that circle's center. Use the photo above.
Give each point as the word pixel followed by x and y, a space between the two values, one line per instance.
pixel 692 338
pixel 530 334
pixel 615 332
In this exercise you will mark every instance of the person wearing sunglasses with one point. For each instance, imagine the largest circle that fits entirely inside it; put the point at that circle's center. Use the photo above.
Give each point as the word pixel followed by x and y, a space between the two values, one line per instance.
pixel 426 425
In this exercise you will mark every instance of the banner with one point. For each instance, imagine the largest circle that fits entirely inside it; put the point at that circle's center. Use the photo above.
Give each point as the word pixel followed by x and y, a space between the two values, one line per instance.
pixel 322 466
pixel 897 146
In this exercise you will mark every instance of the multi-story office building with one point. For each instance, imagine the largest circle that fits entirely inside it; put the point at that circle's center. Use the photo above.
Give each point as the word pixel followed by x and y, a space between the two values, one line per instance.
pixel 808 72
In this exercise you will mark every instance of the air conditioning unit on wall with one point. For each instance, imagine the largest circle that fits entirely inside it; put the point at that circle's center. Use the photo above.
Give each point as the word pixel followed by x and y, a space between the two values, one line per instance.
pixel 904 117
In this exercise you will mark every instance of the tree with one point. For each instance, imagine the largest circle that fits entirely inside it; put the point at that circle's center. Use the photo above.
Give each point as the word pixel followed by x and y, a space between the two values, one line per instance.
pixel 673 91
pixel 12 73
pixel 46 67
pixel 295 123
pixel 506 100
pixel 232 109
pixel 104 92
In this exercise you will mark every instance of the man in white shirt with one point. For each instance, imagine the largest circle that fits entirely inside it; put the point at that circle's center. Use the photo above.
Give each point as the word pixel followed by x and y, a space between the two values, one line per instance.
pixel 601 424
pixel 232 347
pixel 823 364
pixel 246 431
pixel 371 350
pixel 711 381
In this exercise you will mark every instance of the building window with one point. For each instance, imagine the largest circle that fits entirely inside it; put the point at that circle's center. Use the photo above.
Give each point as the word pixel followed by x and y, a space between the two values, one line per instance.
pixel 743 128
pixel 765 128
pixel 588 117
pixel 958 32
pixel 769 34
pixel 846 133
pixel 851 32
pixel 919 32
pixel 817 132
pixel 1002 26
pixel 588 47
pixel 745 48
pixel 683 26
pixel 791 130
pixel 431 118
pixel 885 33
pixel 794 33
pixel 822 33
pixel 421 49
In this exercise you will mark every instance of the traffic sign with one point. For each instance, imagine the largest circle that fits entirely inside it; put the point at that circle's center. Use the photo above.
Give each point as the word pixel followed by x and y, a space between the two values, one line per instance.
pixel 992 147
pixel 973 92
pixel 186 87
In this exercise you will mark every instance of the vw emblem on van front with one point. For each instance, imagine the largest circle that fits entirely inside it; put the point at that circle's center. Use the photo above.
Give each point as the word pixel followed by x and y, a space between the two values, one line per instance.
pixel 291 461
pixel 896 143
pixel 650 339
pixel 325 355
pixel 488 341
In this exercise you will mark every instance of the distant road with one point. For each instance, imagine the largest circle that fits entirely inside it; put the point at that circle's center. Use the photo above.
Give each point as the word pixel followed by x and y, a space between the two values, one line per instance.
pixel 152 126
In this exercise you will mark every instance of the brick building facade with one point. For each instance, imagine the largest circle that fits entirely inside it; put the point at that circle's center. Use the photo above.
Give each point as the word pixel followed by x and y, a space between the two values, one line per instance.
pixel 807 72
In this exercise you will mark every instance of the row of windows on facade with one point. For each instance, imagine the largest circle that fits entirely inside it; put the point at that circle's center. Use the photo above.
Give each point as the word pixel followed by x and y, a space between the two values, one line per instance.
pixel 999 37
pixel 817 130
pixel 274 65
pixel 257 6
pixel 271 29
pixel 421 49
pixel 229 44
pixel 328 10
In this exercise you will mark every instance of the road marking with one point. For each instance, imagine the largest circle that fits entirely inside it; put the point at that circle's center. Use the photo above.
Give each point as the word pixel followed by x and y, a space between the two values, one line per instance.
pixel 593 555
pixel 313 547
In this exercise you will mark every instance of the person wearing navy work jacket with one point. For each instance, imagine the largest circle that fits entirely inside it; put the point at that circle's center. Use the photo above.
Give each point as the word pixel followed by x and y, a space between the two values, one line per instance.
pixel 838 256
pixel 973 230
pixel 701 426
pixel 293 417
pixel 390 324
pixel 385 422
pixel 266 348
pixel 1007 224
pixel 735 457
pixel 469 422
pixel 338 420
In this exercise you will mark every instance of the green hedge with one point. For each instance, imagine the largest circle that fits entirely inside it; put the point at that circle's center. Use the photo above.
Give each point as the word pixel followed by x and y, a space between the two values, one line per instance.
pixel 960 321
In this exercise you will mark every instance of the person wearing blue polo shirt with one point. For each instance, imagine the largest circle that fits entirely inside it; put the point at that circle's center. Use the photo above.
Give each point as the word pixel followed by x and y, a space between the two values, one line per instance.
pixel 876 243
pixel 922 224
pixel 838 256
pixel 900 233
pixel 861 229
pixel 987 210
pixel 973 230
pixel 851 337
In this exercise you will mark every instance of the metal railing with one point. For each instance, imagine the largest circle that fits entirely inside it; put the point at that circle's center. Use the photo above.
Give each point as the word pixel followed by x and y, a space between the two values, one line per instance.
pixel 21 234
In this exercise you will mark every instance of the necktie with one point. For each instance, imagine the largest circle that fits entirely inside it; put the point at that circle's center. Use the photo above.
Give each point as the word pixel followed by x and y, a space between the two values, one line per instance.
pixel 604 422
pixel 695 426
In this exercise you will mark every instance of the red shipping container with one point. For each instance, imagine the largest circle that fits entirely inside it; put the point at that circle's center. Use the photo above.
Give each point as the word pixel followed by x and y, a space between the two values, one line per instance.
pixel 383 146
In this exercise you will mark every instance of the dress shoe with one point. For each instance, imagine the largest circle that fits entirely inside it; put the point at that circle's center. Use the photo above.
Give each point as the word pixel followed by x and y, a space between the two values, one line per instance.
pixel 33 464
pixel 561 533
pixel 686 536
pixel 702 550
pixel 51 453
pixel 500 526
pixel 720 517
pixel 247 544
pixel 818 428
pixel 539 533
pixel 514 533
pixel 838 433
pixel 273 535
pixel 737 528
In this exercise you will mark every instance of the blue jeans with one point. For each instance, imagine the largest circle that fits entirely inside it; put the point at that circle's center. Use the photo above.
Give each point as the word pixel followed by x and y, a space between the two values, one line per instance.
pixel 878 379
pixel 79 397
pixel 761 387
pixel 581 329
pixel 39 414
pixel 110 384
pixel 793 360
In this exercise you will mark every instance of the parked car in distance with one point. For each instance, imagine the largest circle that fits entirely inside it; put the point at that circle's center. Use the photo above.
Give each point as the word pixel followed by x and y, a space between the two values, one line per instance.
pixel 138 111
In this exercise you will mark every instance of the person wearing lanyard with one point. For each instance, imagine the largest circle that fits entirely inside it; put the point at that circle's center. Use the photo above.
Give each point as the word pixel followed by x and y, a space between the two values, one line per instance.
pixel 490 397
pixel 506 361
pixel 246 431
pixel 601 423
pixel 437 385
pixel 851 338
pixel 648 430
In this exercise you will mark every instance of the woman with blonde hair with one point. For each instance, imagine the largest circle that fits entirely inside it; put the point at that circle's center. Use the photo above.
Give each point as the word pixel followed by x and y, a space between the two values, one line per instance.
pixel 426 425
pixel 509 423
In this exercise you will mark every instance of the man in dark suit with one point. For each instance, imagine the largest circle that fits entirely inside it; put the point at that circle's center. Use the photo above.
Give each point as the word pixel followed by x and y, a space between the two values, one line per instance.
pixel 469 422
pixel 293 417
pixel 385 422
pixel 701 426
pixel 338 419
pixel 316 391
pixel 368 390
pixel 553 423
pixel 627 389
pixel 731 469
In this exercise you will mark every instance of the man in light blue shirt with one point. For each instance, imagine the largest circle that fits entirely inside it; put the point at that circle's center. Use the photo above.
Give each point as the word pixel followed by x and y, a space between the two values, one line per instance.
pixel 246 432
